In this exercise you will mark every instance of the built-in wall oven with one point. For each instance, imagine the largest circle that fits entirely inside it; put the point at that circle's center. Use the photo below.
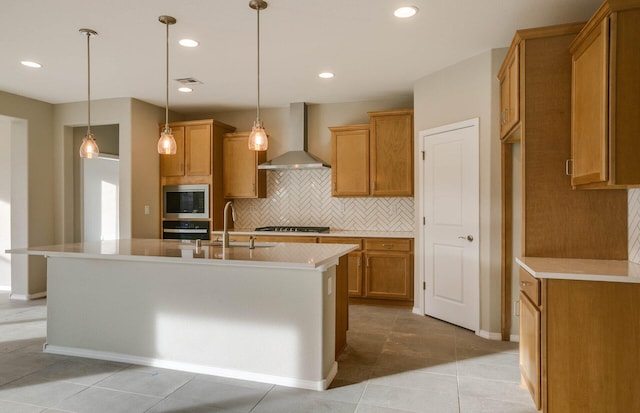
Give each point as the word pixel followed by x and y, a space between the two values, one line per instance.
pixel 186 230
pixel 185 201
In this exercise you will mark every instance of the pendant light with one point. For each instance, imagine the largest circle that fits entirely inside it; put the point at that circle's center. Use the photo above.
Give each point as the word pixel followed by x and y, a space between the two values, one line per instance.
pixel 258 138
pixel 89 147
pixel 166 143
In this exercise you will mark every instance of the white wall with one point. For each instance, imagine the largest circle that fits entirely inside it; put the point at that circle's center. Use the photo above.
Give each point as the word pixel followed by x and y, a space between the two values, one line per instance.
pixel 5 203
pixel 467 90
pixel 145 177
pixel 31 188
pixel 66 117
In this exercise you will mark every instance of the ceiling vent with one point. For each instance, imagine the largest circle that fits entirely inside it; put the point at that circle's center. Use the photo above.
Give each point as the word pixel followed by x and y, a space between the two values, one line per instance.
pixel 189 81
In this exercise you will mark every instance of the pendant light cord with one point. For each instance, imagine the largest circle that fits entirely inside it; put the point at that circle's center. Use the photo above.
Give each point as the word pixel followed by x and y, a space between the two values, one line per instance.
pixel 88 85
pixel 166 123
pixel 258 59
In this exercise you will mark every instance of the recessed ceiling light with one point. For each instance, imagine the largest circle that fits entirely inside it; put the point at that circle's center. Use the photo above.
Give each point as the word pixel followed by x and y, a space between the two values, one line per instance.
pixel 406 11
pixel 185 89
pixel 29 63
pixel 188 43
pixel 326 75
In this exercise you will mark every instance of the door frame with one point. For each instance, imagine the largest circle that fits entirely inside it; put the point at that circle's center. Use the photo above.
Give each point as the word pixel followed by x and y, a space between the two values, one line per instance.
pixel 419 267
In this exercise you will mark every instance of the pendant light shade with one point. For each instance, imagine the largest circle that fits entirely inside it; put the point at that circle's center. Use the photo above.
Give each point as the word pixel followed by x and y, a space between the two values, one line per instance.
pixel 89 147
pixel 258 140
pixel 166 143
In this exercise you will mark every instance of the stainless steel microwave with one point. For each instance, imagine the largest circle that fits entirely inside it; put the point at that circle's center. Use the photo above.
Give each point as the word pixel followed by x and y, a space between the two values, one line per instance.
pixel 185 201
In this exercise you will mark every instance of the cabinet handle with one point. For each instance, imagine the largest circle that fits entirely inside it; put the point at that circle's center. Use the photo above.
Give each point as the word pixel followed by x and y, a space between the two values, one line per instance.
pixel 568 167
pixel 367 262
pixel 387 245
pixel 524 284
pixel 504 116
pixel 359 261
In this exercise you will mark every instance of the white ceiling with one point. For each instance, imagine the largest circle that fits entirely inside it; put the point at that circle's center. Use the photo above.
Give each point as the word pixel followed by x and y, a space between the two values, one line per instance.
pixel 373 54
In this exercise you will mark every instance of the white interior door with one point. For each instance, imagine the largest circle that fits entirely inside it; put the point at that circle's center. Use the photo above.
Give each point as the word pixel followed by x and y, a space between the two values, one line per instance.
pixel 451 208
pixel 100 216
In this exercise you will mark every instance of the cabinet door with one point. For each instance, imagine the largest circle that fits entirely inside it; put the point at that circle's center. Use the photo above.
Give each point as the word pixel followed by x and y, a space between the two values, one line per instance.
pixel 589 108
pixel 388 275
pixel 510 93
pixel 392 154
pixel 241 177
pixel 173 165
pixel 530 366
pixel 355 274
pixel 350 161
pixel 198 150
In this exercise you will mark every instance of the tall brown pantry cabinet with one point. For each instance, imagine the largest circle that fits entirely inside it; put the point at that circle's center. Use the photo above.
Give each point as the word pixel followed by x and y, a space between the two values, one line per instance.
pixel 198 160
pixel 555 220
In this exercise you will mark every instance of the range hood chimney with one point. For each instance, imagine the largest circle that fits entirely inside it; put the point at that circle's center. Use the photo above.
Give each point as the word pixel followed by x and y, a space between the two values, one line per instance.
pixel 296 158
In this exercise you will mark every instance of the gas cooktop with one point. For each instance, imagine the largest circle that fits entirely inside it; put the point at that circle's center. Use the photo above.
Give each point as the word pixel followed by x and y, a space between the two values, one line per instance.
pixel 275 228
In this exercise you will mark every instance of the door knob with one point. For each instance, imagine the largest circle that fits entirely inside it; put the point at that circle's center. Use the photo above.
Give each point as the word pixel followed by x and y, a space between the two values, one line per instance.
pixel 468 238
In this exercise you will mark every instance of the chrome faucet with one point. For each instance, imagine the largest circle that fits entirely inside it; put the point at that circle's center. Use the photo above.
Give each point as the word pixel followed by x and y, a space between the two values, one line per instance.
pixel 225 232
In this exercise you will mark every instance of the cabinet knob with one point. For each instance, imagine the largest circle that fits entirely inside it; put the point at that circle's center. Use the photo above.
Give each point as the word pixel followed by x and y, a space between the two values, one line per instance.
pixel 523 284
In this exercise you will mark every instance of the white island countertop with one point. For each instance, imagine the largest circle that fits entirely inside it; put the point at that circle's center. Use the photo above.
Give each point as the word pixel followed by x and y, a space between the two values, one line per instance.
pixel 581 269
pixel 273 255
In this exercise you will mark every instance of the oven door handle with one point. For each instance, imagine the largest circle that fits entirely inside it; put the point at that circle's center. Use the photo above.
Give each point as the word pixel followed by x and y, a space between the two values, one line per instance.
pixel 184 231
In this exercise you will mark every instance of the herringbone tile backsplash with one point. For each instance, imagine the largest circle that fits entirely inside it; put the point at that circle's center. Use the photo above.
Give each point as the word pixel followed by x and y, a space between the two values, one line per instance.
pixel 303 197
pixel 634 225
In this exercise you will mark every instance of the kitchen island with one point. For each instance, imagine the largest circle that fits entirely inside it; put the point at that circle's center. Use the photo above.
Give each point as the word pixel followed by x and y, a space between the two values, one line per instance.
pixel 265 314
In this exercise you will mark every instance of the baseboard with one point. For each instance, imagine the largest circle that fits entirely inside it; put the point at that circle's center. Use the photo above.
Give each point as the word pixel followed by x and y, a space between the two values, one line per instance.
pixel 23 297
pixel 5 288
pixel 515 338
pixel 196 368
pixel 417 310
pixel 489 335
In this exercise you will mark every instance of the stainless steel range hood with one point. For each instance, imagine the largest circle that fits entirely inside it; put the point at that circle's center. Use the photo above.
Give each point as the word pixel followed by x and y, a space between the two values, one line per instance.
pixel 296 158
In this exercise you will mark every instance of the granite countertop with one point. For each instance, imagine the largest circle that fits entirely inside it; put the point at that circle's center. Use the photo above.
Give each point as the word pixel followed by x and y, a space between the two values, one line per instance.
pixel 332 233
pixel 581 269
pixel 280 255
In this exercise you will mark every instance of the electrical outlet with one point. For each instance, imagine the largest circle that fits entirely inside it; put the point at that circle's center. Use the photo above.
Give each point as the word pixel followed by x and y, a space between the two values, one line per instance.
pixel 516 308
pixel 393 210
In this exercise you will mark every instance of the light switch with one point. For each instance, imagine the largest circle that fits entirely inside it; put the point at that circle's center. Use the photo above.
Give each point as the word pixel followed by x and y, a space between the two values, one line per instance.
pixel 146 210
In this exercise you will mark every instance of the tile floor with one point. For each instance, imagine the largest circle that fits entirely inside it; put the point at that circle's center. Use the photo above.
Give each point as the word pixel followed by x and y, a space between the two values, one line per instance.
pixel 396 361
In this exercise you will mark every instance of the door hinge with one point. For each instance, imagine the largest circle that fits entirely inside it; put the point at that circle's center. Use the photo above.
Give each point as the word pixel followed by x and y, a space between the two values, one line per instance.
pixel 422 155
pixel 424 221
pixel 424 285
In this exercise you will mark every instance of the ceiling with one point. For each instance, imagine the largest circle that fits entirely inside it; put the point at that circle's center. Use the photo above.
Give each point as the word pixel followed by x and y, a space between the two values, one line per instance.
pixel 373 54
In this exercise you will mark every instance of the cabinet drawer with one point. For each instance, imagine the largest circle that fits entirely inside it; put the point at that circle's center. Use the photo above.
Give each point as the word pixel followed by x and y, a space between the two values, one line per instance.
pixel 388 244
pixel 341 240
pixel 530 286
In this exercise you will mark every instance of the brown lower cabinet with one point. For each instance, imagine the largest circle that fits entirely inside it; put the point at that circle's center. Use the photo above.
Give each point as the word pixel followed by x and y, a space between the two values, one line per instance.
pixel 381 272
pixel 579 344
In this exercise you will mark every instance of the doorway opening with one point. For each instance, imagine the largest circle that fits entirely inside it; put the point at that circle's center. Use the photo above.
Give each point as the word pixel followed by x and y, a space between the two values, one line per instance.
pixel 96 186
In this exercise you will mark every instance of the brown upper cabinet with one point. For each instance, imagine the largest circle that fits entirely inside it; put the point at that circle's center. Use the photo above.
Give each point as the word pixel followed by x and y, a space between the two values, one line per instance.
pixel 605 110
pixel 374 159
pixel 509 77
pixel 391 153
pixel 241 176
pixel 193 154
pixel 350 160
